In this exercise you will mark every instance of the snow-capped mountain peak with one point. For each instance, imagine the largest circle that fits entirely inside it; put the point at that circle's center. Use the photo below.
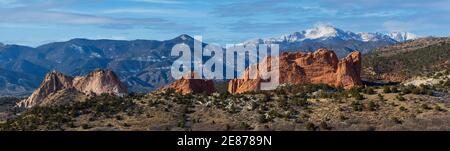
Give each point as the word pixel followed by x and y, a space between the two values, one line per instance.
pixel 402 36
pixel 367 37
pixel 322 31
pixel 318 32
pixel 327 36
pixel 297 36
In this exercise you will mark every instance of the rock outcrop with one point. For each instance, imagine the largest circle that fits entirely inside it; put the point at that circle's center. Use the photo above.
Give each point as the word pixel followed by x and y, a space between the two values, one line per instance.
pixel 187 85
pixel 100 81
pixel 320 67
pixel 97 82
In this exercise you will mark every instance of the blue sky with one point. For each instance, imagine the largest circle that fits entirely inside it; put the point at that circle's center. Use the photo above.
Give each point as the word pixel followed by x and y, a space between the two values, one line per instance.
pixel 34 22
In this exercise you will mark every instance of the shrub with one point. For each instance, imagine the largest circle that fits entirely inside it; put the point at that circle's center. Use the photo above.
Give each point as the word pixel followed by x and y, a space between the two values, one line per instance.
pixel 403 108
pixel 386 89
pixel 85 126
pixel 181 124
pixel 282 103
pixel 310 126
pixel 369 90
pixel 438 108
pixel 244 126
pixel 396 120
pixel 325 126
pixel 126 125
pixel 299 101
pixel 429 92
pixel 438 75
pixel 227 127
pixel 381 97
pixel 119 118
pixel 447 83
pixel 262 119
pixel 408 89
pixel 417 91
pixel 400 98
pixel 342 118
pixel 357 106
pixel 273 114
pixel 426 107
pixel 354 91
pixel 358 96
pixel 372 106
pixel 394 89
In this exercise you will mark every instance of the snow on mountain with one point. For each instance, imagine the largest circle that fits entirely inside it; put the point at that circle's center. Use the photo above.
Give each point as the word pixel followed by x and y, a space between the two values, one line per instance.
pixel 327 36
pixel 402 36
pixel 327 32
pixel 366 37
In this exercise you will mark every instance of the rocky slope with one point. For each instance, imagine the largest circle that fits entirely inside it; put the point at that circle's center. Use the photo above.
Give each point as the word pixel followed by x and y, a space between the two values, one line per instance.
pixel 320 67
pixel 97 82
pixel 187 85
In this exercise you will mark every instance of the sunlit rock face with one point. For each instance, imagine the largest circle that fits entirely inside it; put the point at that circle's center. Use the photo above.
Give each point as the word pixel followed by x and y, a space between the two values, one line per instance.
pixel 97 82
pixel 320 67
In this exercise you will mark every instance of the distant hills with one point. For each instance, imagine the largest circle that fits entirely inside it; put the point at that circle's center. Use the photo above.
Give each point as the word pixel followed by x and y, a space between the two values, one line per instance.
pixel 143 65
pixel 405 60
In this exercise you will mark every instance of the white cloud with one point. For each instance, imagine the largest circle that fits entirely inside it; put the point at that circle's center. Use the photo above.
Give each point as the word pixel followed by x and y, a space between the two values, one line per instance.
pixel 10 3
pixel 7 2
pixel 141 10
pixel 400 26
pixel 51 17
pixel 112 37
pixel 169 12
pixel 159 1
pixel 413 25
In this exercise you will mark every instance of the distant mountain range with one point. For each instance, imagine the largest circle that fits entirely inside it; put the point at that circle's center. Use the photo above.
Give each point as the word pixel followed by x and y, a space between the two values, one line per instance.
pixel 326 36
pixel 144 64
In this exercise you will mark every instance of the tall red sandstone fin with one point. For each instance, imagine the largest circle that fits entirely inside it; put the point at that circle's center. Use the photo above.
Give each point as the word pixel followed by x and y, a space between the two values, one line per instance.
pixel 356 57
pixel 348 69
pixel 319 67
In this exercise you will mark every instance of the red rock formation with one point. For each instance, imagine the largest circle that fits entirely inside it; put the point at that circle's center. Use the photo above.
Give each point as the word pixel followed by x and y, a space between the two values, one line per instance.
pixel 187 85
pixel 318 67
pixel 97 82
